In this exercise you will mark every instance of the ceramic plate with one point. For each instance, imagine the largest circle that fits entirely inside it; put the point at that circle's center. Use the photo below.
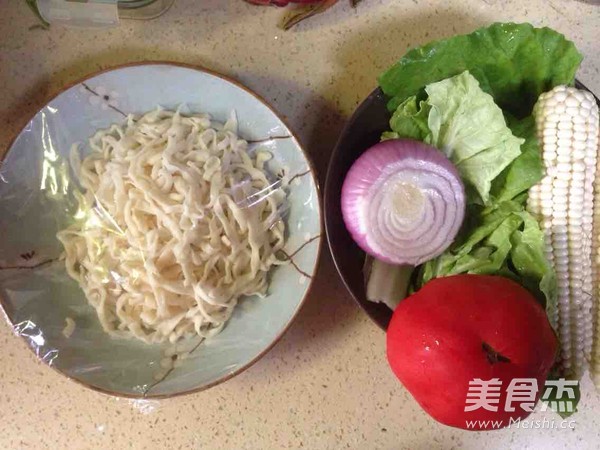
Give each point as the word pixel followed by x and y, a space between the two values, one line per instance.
pixel 36 200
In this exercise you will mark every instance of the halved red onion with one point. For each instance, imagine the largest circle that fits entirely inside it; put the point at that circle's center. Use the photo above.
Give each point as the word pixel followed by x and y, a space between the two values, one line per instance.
pixel 403 201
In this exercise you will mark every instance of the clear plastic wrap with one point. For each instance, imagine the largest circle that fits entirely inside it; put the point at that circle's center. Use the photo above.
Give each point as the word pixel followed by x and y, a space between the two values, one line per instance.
pixel 40 195
pixel 99 13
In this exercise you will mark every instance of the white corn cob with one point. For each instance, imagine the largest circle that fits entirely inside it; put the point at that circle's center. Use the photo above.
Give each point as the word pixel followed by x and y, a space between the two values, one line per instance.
pixel 567 129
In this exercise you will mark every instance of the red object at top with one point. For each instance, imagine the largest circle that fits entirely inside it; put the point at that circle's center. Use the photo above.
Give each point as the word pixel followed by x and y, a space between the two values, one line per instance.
pixel 280 2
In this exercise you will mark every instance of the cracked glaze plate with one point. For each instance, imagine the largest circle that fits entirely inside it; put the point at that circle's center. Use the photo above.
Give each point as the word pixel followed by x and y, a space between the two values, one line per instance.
pixel 36 200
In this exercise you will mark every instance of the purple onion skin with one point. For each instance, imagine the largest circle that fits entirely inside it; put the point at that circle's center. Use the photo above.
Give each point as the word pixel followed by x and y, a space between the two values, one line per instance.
pixel 438 181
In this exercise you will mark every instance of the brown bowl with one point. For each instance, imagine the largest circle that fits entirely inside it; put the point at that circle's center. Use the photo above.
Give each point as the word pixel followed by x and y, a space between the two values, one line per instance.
pixel 363 130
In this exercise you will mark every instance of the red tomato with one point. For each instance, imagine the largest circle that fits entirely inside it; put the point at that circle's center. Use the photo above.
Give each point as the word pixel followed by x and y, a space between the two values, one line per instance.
pixel 463 327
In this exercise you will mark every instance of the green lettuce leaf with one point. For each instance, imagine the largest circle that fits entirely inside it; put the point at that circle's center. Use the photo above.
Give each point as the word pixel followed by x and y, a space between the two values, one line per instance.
pixel 514 63
pixel 464 122
pixel 410 120
pixel 500 240
pixel 525 171
pixel 470 129
pixel 389 135
pixel 559 400
pixel 530 264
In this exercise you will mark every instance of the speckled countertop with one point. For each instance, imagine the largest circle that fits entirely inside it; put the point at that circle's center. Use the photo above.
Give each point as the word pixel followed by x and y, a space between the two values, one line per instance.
pixel 326 384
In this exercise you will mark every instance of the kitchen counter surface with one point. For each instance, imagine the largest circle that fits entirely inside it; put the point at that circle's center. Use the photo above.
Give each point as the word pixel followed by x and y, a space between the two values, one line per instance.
pixel 326 384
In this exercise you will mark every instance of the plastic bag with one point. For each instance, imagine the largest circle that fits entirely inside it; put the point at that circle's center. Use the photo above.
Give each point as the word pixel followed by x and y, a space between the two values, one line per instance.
pixel 99 13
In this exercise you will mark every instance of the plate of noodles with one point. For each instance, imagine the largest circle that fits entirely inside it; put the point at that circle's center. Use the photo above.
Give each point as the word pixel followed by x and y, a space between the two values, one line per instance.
pixel 160 229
